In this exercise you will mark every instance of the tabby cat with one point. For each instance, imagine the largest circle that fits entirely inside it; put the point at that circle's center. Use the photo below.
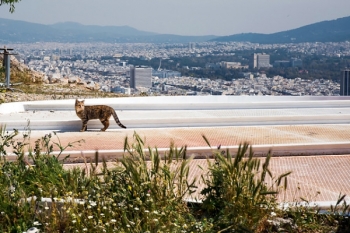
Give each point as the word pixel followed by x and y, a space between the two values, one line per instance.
pixel 102 112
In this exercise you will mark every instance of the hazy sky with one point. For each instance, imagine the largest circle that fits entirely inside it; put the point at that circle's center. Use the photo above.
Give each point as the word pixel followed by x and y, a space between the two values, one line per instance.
pixel 183 17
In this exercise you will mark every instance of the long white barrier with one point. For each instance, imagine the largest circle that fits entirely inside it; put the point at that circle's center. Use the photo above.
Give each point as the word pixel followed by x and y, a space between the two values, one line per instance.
pixel 185 103
pixel 182 111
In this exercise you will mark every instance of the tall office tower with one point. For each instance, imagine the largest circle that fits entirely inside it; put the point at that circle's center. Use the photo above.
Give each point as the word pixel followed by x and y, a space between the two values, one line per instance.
pixel 140 77
pixel 253 61
pixel 345 83
pixel 260 60
pixel 263 60
pixel 191 45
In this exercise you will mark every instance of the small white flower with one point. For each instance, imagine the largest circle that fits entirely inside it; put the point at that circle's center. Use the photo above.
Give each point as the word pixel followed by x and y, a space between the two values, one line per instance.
pixel 36 223
pixel 113 220
pixel 93 203
pixel 146 211
pixel 136 208
pixel 273 214
pixel 46 208
pixel 90 217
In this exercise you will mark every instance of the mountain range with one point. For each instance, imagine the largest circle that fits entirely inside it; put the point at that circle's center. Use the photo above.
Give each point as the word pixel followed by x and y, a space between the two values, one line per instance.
pixel 326 31
pixel 20 31
pixel 14 31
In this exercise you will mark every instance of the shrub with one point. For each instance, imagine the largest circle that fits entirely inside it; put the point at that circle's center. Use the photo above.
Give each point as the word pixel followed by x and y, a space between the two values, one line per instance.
pixel 240 193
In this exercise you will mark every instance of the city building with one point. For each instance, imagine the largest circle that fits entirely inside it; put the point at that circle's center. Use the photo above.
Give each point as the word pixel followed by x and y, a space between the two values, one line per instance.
pixel 232 65
pixel 260 60
pixel 140 77
pixel 281 63
pixel 345 83
pixel 165 73
pixel 293 62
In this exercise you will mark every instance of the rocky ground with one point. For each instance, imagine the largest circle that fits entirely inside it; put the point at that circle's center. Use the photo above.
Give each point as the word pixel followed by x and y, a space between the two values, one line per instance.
pixel 53 92
pixel 29 85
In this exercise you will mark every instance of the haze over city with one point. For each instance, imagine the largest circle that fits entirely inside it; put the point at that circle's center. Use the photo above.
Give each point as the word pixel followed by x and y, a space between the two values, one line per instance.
pixel 180 17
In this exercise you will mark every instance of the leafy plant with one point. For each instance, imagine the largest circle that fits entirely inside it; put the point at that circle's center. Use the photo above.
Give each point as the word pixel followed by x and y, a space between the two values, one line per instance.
pixel 240 192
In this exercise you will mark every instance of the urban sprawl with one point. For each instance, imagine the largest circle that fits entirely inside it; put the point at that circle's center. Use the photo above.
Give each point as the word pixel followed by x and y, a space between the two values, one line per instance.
pixel 118 75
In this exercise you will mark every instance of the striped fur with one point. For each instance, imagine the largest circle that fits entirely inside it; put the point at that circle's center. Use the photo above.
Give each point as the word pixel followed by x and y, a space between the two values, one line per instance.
pixel 101 112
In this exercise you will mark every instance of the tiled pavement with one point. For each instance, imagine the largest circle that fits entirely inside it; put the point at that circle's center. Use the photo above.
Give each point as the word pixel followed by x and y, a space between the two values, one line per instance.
pixel 321 171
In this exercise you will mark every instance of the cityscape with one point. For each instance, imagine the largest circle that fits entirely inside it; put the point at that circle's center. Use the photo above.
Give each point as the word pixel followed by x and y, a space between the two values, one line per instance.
pixel 84 64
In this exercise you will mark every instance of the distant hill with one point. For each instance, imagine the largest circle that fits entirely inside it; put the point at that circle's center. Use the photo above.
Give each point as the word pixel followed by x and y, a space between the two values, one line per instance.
pixel 326 31
pixel 13 31
pixel 20 31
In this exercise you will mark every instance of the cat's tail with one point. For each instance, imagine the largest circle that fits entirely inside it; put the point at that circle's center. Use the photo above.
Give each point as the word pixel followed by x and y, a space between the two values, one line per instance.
pixel 117 119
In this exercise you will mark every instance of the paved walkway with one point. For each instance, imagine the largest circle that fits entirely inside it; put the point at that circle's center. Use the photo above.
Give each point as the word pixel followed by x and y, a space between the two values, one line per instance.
pixel 314 178
pixel 325 169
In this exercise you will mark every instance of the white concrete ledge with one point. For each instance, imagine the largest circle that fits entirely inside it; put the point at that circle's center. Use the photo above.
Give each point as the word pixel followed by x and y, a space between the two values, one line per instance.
pixel 185 103
pixel 182 111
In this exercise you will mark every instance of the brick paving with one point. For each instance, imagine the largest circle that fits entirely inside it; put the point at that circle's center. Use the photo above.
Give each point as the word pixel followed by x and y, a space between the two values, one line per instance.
pixel 192 136
pixel 314 177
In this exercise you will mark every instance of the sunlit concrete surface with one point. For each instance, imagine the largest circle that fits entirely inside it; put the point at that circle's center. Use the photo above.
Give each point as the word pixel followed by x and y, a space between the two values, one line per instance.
pixel 318 179
pixel 307 135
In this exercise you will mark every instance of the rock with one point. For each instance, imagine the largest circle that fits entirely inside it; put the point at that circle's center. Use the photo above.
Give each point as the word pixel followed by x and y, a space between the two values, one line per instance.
pixel 93 86
pixel 63 81
pixel 279 224
pixel 74 80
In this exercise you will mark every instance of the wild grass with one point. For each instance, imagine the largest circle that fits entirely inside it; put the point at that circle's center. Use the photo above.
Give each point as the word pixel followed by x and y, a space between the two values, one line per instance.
pixel 145 192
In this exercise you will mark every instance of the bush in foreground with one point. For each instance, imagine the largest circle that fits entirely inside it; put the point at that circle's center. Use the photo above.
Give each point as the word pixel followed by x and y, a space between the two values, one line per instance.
pixel 145 192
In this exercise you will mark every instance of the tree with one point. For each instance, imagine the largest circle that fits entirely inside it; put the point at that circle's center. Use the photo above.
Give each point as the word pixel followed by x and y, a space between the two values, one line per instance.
pixel 11 3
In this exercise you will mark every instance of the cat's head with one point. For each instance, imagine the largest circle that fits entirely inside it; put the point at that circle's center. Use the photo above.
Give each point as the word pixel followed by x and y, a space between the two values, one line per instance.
pixel 79 105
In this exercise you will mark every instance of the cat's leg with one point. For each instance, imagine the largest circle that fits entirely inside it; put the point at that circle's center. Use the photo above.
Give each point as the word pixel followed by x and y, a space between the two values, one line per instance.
pixel 105 124
pixel 84 128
